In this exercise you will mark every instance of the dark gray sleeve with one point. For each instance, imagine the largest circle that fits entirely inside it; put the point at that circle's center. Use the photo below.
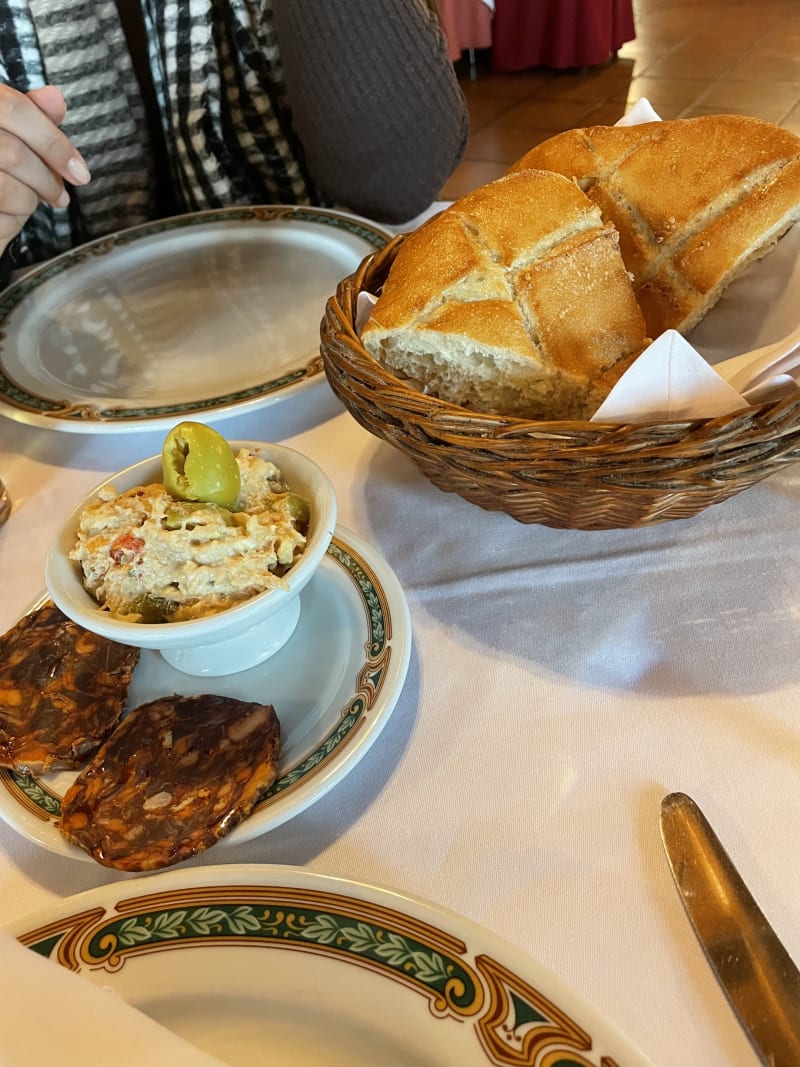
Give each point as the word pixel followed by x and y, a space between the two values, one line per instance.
pixel 374 100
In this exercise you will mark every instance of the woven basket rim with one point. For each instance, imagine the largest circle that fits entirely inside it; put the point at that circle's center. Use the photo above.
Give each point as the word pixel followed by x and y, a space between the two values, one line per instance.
pixel 573 435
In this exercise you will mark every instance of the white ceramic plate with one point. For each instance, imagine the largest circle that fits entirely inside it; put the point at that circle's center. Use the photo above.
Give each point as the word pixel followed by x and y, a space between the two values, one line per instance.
pixel 212 313
pixel 269 963
pixel 333 686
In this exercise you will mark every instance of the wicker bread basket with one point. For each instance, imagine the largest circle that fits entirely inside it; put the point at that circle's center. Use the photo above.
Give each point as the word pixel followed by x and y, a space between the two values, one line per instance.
pixel 578 475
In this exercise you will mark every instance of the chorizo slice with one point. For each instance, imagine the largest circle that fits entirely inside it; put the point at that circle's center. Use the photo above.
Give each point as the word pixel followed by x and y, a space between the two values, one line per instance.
pixel 175 776
pixel 62 691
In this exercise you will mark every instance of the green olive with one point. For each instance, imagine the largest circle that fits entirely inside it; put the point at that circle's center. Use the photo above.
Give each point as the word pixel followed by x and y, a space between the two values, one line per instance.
pixel 298 509
pixel 199 464
pixel 153 608
pixel 182 514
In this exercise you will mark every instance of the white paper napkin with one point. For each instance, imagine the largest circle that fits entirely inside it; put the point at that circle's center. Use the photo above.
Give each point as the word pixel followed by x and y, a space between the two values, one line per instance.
pixel 49 1014
pixel 642 111
pixel 670 381
pixel 365 302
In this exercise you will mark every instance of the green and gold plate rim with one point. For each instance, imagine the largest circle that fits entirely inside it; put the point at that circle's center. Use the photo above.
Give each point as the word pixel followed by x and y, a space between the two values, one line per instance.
pixel 19 402
pixel 517 1012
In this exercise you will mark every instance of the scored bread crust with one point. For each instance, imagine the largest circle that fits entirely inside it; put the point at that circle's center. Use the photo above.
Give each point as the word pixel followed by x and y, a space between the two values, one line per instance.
pixel 694 201
pixel 515 300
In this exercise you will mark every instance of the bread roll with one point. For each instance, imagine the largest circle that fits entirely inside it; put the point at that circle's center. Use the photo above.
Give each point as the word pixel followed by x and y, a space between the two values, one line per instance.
pixel 694 201
pixel 514 301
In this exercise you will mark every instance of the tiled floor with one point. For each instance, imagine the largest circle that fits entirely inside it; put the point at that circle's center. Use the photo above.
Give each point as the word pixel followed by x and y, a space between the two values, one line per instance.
pixel 690 57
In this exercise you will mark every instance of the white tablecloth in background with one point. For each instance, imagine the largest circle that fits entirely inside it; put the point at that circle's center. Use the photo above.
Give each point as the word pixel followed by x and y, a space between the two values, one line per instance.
pixel 561 683
pixel 467 24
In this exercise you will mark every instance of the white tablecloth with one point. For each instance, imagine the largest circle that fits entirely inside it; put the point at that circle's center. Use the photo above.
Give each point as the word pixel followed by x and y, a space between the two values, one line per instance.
pixel 561 683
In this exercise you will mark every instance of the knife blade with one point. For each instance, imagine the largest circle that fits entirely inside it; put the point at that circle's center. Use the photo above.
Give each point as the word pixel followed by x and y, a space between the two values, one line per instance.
pixel 756 972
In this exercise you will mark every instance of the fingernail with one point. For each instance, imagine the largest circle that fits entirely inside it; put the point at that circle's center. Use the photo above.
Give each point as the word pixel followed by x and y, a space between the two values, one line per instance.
pixel 79 171
pixel 63 200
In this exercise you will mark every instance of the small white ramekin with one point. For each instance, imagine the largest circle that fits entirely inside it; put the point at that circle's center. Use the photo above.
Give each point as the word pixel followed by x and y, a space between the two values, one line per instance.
pixel 234 639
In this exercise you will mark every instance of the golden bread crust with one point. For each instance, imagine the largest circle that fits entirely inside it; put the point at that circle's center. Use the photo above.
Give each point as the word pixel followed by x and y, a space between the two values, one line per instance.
pixel 694 201
pixel 583 326
pixel 496 324
pixel 515 300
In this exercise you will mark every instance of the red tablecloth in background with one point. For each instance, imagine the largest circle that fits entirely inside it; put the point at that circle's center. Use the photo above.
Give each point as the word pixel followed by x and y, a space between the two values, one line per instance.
pixel 467 24
pixel 559 33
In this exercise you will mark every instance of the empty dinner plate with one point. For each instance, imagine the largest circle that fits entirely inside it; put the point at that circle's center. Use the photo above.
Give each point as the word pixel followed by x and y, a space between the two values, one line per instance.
pixel 215 312
pixel 260 963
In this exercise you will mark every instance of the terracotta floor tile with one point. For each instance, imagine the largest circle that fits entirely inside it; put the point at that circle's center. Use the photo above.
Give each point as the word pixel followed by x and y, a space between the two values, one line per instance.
pixel 504 87
pixel 648 48
pixel 497 144
pixel 669 96
pixel 682 66
pixel 607 114
pixel 675 23
pixel 689 57
pixel 766 100
pixel 483 111
pixel 765 112
pixel 540 113
pixel 468 176
pixel 712 42
pixel 784 41
pixel 600 84
pixel 761 65
pixel 692 112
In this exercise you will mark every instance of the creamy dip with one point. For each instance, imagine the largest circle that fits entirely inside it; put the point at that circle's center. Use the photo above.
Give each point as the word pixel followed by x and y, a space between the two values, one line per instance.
pixel 147 557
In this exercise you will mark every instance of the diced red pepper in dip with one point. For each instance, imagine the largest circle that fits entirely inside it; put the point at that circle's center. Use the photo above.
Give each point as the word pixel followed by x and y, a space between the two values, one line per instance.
pixel 125 547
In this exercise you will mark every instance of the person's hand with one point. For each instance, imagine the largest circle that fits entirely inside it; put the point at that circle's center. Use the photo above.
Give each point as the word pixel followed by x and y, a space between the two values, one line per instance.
pixel 35 156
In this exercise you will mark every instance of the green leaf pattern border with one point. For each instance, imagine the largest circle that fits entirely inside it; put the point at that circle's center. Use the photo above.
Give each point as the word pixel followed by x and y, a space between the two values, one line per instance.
pixel 13 393
pixel 36 798
pixel 515 1024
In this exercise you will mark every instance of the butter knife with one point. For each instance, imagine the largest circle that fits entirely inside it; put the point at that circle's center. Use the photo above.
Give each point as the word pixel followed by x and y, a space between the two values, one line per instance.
pixel 754 969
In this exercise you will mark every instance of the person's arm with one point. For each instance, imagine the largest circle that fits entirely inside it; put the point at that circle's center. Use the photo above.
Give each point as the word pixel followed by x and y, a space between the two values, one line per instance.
pixel 374 99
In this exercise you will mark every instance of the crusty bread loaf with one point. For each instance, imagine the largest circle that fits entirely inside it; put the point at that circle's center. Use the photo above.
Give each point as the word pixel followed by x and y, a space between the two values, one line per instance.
pixel 694 201
pixel 515 300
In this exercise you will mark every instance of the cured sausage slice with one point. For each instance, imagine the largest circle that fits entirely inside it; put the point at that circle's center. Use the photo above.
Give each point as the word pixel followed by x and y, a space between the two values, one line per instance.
pixel 62 691
pixel 175 776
